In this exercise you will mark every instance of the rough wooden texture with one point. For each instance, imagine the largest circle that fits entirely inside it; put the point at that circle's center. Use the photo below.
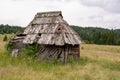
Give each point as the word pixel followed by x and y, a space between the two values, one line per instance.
pixel 53 29
pixel 60 53
pixel 56 38
pixel 15 52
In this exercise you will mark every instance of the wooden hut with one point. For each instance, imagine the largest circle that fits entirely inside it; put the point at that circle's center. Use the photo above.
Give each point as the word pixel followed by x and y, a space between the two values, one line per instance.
pixel 56 38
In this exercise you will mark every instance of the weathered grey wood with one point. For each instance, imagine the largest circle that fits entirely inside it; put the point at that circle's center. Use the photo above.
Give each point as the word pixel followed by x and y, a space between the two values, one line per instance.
pixel 53 54
pixel 48 26
pixel 56 38
pixel 15 52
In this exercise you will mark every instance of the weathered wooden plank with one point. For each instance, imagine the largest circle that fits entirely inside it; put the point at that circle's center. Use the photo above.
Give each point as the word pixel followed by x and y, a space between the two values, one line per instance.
pixel 71 39
pixel 30 38
pixel 66 39
pixel 65 54
pixel 53 53
pixel 15 52
pixel 59 39
pixel 26 31
pixel 77 39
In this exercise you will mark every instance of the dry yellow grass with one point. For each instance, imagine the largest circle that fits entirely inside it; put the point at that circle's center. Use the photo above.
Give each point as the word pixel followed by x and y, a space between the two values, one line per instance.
pixel 98 62
pixel 2 44
pixel 101 52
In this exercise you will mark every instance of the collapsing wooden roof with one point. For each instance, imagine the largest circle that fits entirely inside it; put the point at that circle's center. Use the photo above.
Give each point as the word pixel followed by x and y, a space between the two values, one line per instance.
pixel 50 28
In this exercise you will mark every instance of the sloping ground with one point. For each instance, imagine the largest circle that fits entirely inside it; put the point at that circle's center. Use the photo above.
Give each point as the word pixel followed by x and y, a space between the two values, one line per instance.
pixel 98 62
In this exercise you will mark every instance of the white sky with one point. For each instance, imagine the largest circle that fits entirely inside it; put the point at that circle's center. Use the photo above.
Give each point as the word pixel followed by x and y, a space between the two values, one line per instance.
pixel 96 13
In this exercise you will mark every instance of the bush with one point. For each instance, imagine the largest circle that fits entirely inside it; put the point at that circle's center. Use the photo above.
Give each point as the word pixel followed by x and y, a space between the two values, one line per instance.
pixel 30 50
pixel 5 38
pixel 9 46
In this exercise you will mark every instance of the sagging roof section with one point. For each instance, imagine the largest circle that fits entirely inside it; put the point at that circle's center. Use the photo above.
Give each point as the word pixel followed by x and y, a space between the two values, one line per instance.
pixel 50 28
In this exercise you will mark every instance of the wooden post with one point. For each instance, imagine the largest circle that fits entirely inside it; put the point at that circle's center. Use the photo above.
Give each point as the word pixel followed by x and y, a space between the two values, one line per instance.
pixel 65 54
pixel 79 51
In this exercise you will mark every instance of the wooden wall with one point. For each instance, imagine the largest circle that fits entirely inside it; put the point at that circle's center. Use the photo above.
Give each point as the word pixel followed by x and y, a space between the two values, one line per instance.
pixel 61 53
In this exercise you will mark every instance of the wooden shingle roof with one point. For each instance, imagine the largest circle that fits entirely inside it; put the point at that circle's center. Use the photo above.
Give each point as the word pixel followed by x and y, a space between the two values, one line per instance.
pixel 50 28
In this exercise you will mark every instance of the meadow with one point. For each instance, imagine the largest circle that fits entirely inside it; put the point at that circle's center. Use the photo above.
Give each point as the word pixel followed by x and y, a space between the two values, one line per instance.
pixel 97 62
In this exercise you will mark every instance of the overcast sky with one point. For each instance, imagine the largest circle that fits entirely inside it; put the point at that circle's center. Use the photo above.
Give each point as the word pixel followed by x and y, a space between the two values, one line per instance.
pixel 97 13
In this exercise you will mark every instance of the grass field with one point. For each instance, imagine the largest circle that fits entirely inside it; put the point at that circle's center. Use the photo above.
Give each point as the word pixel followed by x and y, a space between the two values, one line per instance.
pixel 97 62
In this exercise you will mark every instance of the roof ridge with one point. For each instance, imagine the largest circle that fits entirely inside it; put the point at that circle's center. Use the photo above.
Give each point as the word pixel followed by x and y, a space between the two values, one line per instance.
pixel 49 12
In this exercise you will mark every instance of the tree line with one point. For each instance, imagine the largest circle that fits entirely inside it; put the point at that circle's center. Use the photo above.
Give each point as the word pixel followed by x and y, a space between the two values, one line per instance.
pixel 90 35
pixel 95 35
pixel 7 29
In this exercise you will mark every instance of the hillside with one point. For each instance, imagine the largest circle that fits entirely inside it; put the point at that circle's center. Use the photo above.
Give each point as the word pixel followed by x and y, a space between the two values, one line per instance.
pixel 7 29
pixel 91 35
pixel 95 35
pixel 97 62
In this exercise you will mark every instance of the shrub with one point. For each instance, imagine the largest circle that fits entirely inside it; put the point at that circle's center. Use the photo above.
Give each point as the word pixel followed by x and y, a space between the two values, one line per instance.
pixel 5 38
pixel 9 46
pixel 30 50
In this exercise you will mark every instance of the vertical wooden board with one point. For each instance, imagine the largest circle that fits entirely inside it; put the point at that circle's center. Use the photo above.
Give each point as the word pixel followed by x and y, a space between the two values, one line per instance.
pixel 30 38
pixel 48 29
pixel 41 27
pixel 59 39
pixel 77 39
pixel 71 39
pixel 52 39
pixel 37 29
pixel 48 40
pixel 15 52
pixel 53 53
pixel 65 54
pixel 42 39
pixel 45 39
pixel 54 28
pixel 33 28
pixel 66 39
pixel 26 31
pixel 62 56
pixel 42 49
pixel 49 51
pixel 79 50
pixel 43 56
pixel 66 30
pixel 44 28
